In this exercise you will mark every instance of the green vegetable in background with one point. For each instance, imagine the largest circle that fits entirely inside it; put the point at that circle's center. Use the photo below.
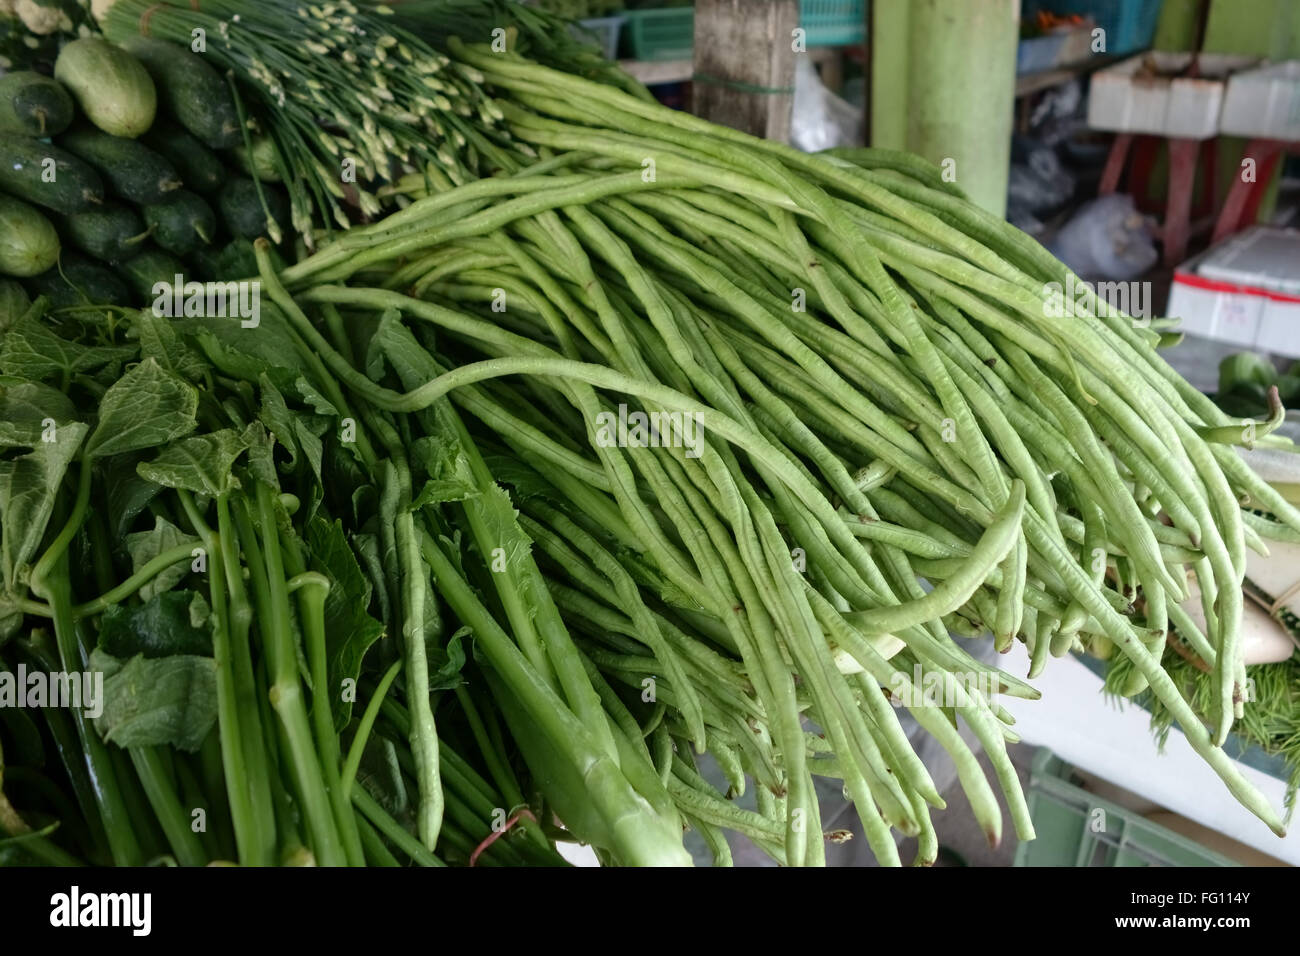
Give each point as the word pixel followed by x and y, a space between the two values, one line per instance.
pixel 1245 379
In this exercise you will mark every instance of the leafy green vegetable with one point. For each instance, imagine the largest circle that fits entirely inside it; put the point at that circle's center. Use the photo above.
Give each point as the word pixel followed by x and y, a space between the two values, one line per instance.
pixel 349 629
pixel 201 463
pixel 147 407
pixel 163 625
pixel 143 546
pixel 29 485
pixel 159 701
pixel 34 352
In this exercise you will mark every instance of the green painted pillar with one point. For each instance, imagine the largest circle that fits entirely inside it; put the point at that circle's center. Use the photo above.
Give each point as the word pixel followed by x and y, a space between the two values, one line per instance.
pixel 888 37
pixel 943 76
pixel 1267 28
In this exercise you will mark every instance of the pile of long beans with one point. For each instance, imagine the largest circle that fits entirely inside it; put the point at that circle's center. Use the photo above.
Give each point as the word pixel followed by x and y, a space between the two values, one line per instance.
pixel 882 392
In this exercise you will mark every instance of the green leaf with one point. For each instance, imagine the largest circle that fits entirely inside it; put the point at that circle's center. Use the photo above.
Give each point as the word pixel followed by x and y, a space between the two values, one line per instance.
pixel 160 701
pixel 1288 389
pixel 1245 367
pixel 349 628
pixel 524 482
pixel 162 626
pixel 27 409
pixel 277 418
pixel 147 407
pixel 448 468
pixel 128 493
pixel 270 347
pixel 201 463
pixel 319 403
pixel 160 341
pixel 28 486
pixel 31 350
pixel 144 546
pixel 368 547
pixel 446 663
pixel 261 454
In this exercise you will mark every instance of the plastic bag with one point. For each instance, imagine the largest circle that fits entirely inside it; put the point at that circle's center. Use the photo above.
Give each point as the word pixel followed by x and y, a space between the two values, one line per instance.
pixel 1108 239
pixel 820 119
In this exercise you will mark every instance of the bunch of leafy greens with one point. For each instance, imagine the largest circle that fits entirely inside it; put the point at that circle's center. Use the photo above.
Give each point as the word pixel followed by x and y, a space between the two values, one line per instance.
pixel 285 598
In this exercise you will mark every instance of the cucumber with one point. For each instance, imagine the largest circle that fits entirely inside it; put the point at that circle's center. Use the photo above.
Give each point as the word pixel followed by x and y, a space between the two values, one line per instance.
pixel 112 88
pixel 134 171
pixel 142 272
pixel 77 280
pixel 14 302
pixel 111 233
pixel 242 212
pixel 33 105
pixel 181 223
pixel 28 243
pixel 192 91
pixel 205 264
pixel 238 261
pixel 200 168
pixel 68 186
pixel 259 162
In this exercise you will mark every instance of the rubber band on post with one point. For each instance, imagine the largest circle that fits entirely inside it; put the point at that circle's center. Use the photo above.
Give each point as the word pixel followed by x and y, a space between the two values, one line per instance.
pixel 741 87
pixel 498 834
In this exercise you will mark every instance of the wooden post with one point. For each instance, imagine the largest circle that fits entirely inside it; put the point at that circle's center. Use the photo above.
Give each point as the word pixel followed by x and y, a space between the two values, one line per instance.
pixel 744 64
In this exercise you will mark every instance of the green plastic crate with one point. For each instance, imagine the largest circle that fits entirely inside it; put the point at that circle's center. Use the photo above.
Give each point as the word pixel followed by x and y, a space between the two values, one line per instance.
pixel 834 22
pixel 660 34
pixel 669 33
pixel 1063 816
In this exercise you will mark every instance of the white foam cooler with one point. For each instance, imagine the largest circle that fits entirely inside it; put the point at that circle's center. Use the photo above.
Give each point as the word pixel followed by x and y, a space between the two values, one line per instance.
pixel 1245 291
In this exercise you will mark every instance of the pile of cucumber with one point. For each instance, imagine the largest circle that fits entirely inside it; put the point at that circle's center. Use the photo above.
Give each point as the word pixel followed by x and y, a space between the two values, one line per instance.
pixel 128 167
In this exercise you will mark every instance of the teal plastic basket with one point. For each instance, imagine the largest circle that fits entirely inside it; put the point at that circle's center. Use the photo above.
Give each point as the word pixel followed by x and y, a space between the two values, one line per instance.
pixel 834 22
pixel 1130 25
pixel 1078 828
pixel 661 34
pixel 669 33
pixel 601 31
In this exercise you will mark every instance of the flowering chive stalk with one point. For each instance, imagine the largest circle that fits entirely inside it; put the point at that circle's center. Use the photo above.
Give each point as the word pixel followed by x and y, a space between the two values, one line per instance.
pixel 359 102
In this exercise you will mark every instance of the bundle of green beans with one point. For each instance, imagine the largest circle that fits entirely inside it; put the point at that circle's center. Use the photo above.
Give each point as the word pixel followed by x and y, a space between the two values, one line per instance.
pixel 885 399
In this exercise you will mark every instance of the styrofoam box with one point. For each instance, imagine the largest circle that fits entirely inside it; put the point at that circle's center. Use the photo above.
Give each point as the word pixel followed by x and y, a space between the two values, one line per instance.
pixel 1143 94
pixel 1216 298
pixel 1264 103
pixel 1262 256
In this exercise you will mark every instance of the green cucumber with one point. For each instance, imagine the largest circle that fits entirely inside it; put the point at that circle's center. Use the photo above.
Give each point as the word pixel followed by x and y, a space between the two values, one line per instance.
pixel 205 264
pixel 152 266
pixel 241 210
pixel 77 280
pixel 259 162
pixel 28 243
pixel 14 302
pixel 192 91
pixel 112 88
pixel 33 105
pixel 134 171
pixel 181 223
pixel 66 185
pixel 200 168
pixel 111 233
